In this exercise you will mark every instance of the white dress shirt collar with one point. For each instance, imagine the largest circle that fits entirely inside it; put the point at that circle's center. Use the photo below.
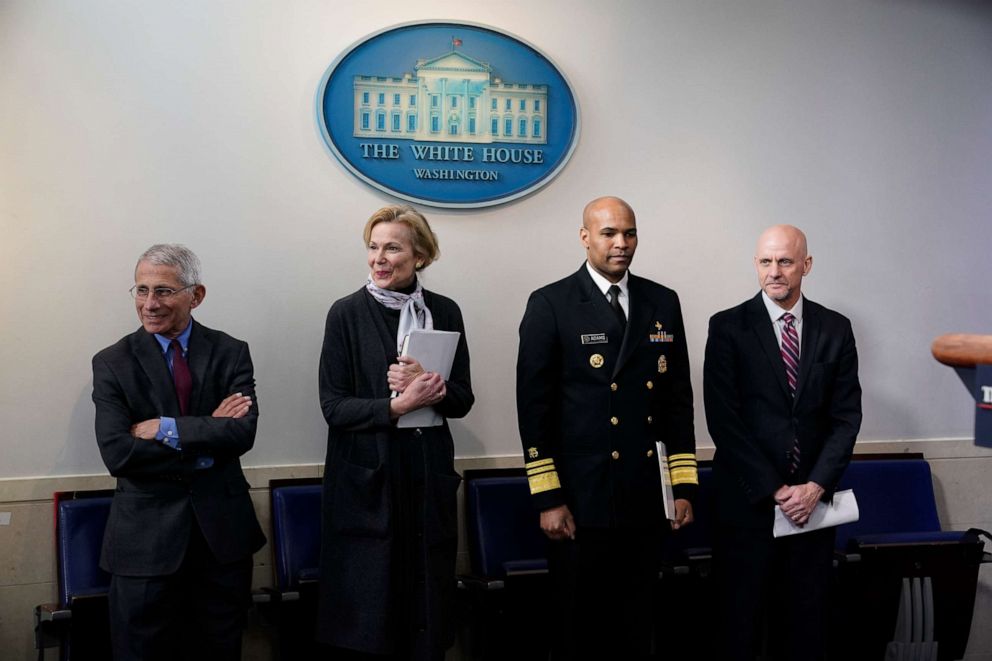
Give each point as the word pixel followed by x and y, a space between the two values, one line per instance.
pixel 778 324
pixel 604 284
pixel 776 312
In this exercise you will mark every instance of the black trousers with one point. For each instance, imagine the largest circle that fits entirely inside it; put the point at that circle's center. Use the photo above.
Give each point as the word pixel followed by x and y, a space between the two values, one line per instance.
pixel 775 587
pixel 603 584
pixel 197 613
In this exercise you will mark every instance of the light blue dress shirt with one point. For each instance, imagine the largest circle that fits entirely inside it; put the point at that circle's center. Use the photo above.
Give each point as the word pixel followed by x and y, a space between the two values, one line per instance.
pixel 168 431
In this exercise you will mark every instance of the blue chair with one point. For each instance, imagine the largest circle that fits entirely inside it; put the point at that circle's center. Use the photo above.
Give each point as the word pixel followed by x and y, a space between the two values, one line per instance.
pixel 79 622
pixel 505 592
pixel 895 497
pixel 295 534
pixel 504 533
pixel 896 565
pixel 295 540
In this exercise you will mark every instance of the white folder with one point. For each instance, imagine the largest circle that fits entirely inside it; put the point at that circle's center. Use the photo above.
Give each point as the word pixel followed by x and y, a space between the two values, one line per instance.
pixel 435 351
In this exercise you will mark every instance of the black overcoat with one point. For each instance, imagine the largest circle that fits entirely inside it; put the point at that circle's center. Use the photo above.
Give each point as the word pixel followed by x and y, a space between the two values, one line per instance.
pixel 359 606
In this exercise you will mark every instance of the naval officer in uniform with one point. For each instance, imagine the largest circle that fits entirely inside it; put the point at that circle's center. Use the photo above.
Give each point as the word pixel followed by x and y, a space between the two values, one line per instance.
pixel 602 374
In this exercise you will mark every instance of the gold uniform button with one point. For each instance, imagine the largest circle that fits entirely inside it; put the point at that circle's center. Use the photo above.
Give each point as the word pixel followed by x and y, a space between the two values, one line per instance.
pixel 613 387
pixel 615 454
pixel 650 419
pixel 650 385
pixel 614 421
pixel 650 453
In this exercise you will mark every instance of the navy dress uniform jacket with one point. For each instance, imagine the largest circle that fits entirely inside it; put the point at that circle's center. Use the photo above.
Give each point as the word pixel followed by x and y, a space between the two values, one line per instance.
pixel 592 400
pixel 159 495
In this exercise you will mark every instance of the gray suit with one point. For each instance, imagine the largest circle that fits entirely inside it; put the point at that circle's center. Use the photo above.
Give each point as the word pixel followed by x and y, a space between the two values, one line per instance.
pixel 162 507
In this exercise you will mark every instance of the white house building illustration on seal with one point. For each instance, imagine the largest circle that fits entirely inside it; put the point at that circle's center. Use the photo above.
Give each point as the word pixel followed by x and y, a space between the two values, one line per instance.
pixel 450 98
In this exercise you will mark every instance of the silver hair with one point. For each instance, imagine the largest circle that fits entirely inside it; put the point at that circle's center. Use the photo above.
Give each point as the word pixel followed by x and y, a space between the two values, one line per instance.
pixel 184 260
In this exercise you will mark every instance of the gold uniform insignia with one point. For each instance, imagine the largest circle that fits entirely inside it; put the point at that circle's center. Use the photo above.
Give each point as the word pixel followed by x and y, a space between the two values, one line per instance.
pixel 662 364
pixel 542 476
pixel 532 453
pixel 596 360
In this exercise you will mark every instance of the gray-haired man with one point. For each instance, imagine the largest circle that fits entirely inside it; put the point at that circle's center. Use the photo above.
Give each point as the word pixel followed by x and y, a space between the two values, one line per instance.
pixel 175 409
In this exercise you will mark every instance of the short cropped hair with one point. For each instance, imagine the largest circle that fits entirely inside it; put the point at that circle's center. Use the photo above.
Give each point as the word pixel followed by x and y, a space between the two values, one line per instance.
pixel 425 245
pixel 184 260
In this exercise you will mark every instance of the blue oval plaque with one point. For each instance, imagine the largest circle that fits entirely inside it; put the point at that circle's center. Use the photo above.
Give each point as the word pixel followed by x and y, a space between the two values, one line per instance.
pixel 448 114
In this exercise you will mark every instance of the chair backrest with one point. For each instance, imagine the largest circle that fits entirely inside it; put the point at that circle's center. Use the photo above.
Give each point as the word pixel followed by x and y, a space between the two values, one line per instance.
pixel 503 527
pixel 894 496
pixel 81 518
pixel 295 533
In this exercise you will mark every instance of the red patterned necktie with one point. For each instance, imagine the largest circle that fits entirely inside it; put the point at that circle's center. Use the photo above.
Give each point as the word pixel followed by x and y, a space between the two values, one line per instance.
pixel 181 376
pixel 790 356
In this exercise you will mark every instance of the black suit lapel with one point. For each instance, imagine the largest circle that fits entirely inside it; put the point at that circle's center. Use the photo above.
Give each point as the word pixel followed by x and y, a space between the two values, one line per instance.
pixel 595 309
pixel 149 355
pixel 810 341
pixel 198 357
pixel 762 327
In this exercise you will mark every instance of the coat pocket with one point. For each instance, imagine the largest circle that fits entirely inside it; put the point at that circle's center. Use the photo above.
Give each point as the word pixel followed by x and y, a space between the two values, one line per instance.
pixel 360 507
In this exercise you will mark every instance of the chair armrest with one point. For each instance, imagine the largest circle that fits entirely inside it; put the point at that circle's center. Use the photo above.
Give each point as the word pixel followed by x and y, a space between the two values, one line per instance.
pixel 480 583
pixel 52 613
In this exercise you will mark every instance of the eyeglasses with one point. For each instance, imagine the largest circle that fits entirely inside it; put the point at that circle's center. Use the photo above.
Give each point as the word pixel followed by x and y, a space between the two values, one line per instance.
pixel 141 292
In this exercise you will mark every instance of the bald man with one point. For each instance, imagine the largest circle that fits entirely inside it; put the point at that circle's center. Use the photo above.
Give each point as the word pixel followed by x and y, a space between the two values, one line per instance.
pixel 602 374
pixel 783 406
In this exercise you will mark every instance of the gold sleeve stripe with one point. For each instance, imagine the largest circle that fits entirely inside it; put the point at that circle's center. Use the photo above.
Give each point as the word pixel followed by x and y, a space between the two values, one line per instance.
pixel 542 469
pixel 684 476
pixel 543 482
pixel 686 456
pixel 677 464
pixel 541 462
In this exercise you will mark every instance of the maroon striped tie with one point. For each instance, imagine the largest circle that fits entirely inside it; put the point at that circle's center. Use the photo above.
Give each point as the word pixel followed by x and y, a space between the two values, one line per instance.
pixel 790 356
pixel 181 376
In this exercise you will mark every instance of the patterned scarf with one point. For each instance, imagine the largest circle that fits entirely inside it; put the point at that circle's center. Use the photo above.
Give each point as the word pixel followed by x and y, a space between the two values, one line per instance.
pixel 414 313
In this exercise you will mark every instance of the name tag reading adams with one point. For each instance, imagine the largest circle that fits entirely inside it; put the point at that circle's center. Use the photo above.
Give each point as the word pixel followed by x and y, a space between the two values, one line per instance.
pixel 595 338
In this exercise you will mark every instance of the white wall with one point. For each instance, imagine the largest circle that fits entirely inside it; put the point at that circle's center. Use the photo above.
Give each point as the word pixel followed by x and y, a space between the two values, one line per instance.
pixel 869 124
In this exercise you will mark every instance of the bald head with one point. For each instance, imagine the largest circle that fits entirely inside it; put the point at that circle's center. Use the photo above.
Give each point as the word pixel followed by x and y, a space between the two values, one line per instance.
pixel 609 234
pixel 606 205
pixel 783 236
pixel 782 260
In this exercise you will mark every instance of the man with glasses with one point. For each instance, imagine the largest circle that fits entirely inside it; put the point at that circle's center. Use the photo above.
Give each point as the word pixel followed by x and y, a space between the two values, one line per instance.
pixel 175 409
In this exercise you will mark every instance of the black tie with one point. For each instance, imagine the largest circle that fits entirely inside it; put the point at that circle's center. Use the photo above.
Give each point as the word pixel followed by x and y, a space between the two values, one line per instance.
pixel 614 293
